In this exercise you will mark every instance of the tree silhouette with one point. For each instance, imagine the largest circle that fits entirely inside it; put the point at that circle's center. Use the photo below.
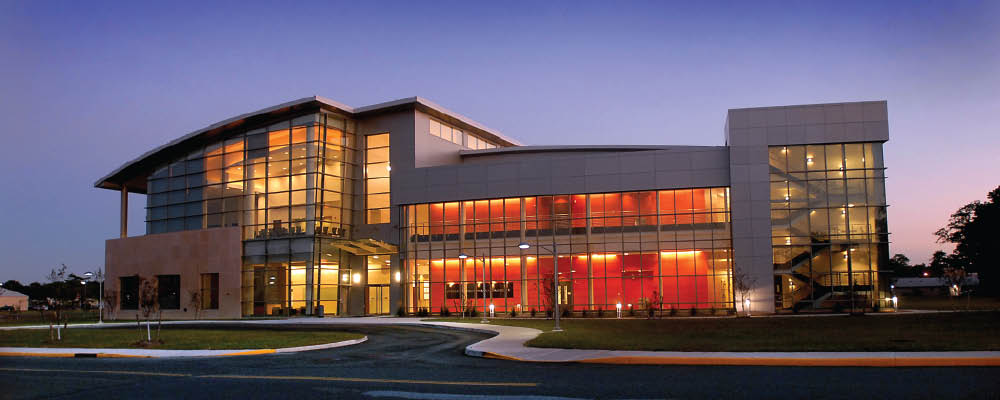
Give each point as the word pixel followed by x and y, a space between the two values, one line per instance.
pixel 975 231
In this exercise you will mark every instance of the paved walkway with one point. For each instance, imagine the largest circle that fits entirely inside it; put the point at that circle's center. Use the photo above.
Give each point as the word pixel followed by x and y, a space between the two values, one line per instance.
pixel 508 343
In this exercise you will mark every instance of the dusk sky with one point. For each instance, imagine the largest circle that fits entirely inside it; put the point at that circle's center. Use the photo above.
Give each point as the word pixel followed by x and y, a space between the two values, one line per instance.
pixel 87 86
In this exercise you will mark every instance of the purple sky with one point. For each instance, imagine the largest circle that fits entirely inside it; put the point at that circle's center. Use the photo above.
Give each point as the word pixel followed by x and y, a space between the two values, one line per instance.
pixel 87 86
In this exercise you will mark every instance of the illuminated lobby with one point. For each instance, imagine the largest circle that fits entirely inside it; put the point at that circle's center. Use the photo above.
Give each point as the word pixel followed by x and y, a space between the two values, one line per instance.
pixel 313 207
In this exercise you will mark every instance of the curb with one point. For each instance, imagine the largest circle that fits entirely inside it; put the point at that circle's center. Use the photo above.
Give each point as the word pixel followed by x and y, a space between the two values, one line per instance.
pixel 121 353
pixel 804 359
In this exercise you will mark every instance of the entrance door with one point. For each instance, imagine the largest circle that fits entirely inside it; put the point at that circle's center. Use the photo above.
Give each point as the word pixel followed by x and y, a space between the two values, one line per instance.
pixel 378 300
pixel 565 293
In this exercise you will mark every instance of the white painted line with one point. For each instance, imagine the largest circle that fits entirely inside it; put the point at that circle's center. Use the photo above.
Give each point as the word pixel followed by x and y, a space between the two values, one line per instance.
pixel 322 346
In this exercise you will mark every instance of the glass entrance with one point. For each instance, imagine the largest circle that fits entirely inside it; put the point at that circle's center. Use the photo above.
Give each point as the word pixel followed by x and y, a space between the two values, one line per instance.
pixel 565 293
pixel 377 301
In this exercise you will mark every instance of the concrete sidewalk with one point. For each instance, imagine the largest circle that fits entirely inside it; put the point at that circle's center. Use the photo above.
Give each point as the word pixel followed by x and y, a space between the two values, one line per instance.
pixel 509 344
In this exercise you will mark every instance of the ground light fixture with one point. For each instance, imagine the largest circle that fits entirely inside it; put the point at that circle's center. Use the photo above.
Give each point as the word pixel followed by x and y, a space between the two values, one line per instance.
pixel 746 306
pixel 555 279
pixel 483 259
pixel 618 307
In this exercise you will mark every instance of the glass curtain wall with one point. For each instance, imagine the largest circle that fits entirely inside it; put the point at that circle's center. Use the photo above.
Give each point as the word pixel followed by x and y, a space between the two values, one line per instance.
pixel 829 231
pixel 288 185
pixel 668 248
pixel 377 169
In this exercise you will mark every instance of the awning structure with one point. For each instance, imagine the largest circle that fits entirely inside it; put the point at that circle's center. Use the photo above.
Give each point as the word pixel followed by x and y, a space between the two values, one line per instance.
pixel 365 247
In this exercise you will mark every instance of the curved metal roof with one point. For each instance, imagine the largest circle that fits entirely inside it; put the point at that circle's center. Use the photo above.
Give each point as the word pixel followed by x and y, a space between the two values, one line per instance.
pixel 132 174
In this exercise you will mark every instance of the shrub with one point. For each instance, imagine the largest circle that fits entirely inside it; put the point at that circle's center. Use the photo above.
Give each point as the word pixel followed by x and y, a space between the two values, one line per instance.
pixel 423 312
pixel 566 312
pixel 650 311
pixel 693 311
pixel 473 313
pixel 631 311
pixel 548 313
pixel 533 311
pixel 673 311
pixel 445 312
pixel 583 313
pixel 600 312
pixel 838 308
pixel 401 311
pixel 513 313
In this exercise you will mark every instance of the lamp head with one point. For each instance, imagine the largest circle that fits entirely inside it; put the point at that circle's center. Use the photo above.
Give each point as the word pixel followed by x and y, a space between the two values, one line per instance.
pixel 88 274
pixel 523 246
pixel 463 256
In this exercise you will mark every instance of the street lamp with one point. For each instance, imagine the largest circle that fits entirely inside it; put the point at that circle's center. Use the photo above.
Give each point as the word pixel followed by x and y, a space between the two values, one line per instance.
pixel 483 259
pixel 555 279
pixel 100 300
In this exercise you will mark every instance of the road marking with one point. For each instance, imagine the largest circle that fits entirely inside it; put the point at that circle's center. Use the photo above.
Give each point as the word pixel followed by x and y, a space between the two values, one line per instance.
pixel 452 396
pixel 375 380
pixel 95 371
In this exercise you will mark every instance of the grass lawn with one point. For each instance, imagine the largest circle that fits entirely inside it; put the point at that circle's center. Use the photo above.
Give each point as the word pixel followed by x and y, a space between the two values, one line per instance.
pixel 18 318
pixel 174 338
pixel 897 332
pixel 949 303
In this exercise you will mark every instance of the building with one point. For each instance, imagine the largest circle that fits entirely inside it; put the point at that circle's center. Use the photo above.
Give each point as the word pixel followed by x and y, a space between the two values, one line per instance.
pixel 15 300
pixel 313 206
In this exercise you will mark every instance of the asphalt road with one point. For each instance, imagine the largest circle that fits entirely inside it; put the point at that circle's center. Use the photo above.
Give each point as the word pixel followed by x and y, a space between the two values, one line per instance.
pixel 419 363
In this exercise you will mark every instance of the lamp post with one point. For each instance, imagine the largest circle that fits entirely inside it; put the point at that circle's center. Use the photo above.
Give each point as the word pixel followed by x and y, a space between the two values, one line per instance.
pixel 483 259
pixel 100 299
pixel 555 279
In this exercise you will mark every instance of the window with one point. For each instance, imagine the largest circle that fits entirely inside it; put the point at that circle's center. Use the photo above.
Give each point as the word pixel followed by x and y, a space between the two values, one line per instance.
pixel 129 286
pixel 457 136
pixel 169 292
pixel 377 170
pixel 625 247
pixel 828 226
pixel 210 291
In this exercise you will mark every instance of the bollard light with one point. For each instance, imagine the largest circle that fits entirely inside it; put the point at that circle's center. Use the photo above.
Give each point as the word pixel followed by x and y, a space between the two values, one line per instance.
pixel 492 314
pixel 895 302
pixel 618 308
pixel 746 306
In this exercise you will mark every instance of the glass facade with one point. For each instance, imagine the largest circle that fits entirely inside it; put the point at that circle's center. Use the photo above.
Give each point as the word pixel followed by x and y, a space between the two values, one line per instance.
pixel 828 225
pixel 377 168
pixel 669 247
pixel 289 179
pixel 289 187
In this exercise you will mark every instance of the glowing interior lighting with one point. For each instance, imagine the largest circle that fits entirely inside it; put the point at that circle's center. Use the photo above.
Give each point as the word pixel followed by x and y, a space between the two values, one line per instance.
pixel 398 276
pixel 357 278
pixel 680 253
pixel 346 278
pixel 784 149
